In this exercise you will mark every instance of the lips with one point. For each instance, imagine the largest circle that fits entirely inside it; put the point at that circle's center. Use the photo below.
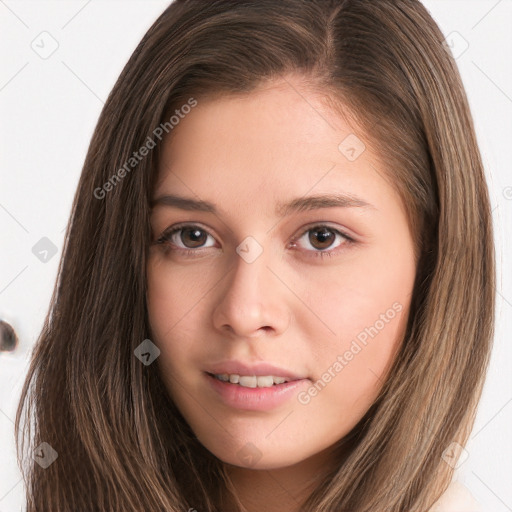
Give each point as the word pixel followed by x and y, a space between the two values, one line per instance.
pixel 259 369
pixel 263 399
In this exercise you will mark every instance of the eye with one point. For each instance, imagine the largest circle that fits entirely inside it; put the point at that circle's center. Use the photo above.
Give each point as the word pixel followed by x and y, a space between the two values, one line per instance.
pixel 321 239
pixel 186 237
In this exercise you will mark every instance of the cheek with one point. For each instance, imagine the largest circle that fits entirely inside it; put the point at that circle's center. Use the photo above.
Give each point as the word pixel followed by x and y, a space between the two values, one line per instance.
pixel 365 306
pixel 163 308
pixel 174 293
pixel 172 301
pixel 369 281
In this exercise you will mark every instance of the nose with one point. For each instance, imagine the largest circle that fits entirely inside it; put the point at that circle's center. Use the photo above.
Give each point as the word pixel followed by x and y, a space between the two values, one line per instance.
pixel 252 300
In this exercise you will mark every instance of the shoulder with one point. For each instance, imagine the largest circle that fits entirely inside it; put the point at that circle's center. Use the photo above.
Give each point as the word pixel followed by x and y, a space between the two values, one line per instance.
pixel 456 498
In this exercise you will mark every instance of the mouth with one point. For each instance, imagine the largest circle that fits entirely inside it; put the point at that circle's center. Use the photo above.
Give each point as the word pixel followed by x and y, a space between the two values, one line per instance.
pixel 253 392
pixel 251 374
pixel 251 381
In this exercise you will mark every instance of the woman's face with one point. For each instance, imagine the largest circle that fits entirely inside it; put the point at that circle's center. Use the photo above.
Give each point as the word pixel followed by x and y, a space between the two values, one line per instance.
pixel 319 289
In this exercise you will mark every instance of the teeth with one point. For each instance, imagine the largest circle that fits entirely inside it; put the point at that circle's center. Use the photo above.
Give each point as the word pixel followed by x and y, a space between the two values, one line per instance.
pixel 252 381
pixel 248 382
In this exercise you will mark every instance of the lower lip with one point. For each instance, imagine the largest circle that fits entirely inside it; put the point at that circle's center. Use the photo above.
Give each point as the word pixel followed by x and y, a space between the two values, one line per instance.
pixel 255 399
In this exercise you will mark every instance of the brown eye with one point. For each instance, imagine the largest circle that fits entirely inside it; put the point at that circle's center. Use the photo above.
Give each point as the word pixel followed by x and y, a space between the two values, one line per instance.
pixel 186 238
pixel 321 238
pixel 192 237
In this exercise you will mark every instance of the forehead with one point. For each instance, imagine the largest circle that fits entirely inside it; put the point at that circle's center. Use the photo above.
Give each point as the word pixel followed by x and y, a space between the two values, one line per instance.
pixel 279 141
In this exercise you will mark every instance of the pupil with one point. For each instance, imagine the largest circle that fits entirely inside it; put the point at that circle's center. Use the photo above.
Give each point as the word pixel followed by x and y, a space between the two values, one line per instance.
pixel 197 237
pixel 323 236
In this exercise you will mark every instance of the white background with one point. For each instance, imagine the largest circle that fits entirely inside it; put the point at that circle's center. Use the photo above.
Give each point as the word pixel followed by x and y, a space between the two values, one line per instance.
pixel 49 105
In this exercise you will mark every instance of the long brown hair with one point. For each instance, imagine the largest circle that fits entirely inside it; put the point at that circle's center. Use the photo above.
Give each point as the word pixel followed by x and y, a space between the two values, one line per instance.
pixel 122 444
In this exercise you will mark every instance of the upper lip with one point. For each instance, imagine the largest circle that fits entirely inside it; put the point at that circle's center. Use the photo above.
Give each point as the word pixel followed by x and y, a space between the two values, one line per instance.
pixel 258 369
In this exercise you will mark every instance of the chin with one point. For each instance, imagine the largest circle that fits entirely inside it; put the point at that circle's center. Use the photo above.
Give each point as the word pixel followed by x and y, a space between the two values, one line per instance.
pixel 254 455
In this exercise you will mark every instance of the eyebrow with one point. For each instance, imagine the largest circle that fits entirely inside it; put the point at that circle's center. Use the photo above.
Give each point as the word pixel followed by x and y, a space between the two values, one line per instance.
pixel 298 204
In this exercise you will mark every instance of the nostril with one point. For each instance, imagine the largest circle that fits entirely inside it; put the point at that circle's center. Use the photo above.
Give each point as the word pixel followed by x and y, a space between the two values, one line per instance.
pixel 8 338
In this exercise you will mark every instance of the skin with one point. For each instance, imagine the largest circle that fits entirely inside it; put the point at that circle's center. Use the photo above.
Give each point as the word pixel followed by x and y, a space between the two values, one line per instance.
pixel 289 307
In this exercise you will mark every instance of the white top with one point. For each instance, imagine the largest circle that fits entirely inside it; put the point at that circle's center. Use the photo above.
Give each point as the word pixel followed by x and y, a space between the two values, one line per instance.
pixel 456 498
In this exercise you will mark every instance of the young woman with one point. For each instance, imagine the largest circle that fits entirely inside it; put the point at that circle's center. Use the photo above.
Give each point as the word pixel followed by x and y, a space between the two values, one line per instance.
pixel 277 287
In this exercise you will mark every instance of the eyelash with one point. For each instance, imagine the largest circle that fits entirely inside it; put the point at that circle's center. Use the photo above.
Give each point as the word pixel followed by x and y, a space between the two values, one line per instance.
pixel 167 235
